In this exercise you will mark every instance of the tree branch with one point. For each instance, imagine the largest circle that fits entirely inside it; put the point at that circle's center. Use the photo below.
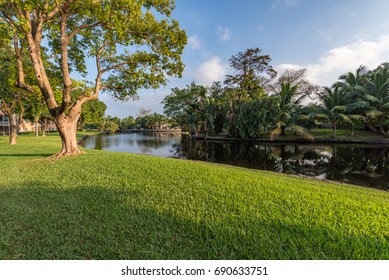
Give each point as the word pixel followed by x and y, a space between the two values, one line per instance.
pixel 81 27
pixel 19 61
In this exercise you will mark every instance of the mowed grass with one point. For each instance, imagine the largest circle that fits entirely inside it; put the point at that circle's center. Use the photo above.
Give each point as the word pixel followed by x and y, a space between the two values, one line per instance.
pixel 106 205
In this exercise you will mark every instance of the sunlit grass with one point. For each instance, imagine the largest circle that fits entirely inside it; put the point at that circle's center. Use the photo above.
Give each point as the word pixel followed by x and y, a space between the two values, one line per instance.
pixel 106 205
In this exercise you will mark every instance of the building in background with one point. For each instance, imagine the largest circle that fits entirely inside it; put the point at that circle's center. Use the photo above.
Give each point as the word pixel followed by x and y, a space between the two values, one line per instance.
pixel 25 126
pixel 4 124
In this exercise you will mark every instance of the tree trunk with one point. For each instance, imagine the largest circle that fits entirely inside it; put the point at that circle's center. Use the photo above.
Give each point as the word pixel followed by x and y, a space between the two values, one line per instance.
pixel 13 134
pixel 333 129
pixel 36 124
pixel 371 127
pixel 67 128
pixel 44 127
pixel 383 132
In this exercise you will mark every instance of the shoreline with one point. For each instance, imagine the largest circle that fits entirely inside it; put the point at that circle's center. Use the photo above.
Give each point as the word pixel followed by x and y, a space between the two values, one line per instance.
pixel 318 140
pixel 172 130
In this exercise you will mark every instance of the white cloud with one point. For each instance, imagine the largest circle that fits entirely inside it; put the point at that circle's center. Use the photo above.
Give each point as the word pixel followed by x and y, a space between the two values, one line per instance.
pixel 223 33
pixel 282 67
pixel 340 60
pixel 194 42
pixel 210 71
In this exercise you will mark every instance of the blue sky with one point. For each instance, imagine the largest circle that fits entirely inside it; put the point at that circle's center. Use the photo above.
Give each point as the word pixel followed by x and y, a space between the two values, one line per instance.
pixel 327 37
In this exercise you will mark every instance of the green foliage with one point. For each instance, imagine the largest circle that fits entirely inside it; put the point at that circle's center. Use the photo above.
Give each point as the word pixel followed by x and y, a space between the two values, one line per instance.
pixel 188 107
pixel 366 94
pixel 106 205
pixel 290 112
pixel 256 116
pixel 92 113
pixel 375 92
pixel 150 121
pixel 127 123
pixel 108 126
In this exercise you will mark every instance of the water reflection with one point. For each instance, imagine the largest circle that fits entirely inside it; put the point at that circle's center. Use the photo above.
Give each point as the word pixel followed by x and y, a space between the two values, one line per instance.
pixel 159 144
pixel 361 165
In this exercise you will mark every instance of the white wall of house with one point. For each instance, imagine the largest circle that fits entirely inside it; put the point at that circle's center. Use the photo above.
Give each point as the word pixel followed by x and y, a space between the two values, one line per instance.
pixel 26 126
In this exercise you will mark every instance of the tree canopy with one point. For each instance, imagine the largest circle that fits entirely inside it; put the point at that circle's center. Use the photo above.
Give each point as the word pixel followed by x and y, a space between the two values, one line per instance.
pixel 134 43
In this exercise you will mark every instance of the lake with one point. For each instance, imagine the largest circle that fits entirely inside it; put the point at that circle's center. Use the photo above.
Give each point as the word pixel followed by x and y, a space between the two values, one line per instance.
pixel 355 164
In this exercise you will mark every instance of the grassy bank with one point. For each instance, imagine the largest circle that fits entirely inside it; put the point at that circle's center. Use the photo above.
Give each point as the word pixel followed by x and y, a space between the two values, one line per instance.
pixel 319 136
pixel 105 205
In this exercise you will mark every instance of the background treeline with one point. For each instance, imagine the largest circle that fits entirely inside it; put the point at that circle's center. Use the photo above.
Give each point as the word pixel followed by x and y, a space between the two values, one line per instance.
pixel 256 102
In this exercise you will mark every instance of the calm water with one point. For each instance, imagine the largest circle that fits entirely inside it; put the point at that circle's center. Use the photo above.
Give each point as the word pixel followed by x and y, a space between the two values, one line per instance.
pixel 361 165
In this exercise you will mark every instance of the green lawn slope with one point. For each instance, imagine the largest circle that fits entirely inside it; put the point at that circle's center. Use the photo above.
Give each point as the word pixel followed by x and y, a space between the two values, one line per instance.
pixel 106 205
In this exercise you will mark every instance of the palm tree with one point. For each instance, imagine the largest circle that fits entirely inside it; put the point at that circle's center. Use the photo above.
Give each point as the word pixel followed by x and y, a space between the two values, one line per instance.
pixel 289 108
pixel 375 92
pixel 350 81
pixel 334 107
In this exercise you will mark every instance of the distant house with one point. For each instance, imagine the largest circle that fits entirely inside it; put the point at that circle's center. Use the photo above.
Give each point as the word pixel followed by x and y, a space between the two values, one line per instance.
pixel 25 126
pixel 29 126
pixel 161 126
pixel 4 124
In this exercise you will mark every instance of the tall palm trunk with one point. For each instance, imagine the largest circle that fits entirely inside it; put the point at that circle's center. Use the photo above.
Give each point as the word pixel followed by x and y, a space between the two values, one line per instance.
pixel 334 129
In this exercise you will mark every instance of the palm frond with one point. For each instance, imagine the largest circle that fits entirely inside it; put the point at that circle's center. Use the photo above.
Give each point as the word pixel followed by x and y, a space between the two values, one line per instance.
pixel 284 116
pixel 355 117
pixel 301 131
pixel 370 98
pixel 302 117
pixel 345 118
pixel 374 114
pixel 339 108
pixel 385 106
pixel 280 124
pixel 358 105
pixel 275 133
pixel 360 88
pixel 322 117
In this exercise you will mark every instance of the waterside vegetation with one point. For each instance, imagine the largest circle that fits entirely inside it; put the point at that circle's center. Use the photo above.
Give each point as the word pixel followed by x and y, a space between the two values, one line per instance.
pixel 251 105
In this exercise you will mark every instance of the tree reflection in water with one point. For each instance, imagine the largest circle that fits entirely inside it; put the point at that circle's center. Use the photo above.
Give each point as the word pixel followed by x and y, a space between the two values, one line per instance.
pixel 354 164
pixel 360 165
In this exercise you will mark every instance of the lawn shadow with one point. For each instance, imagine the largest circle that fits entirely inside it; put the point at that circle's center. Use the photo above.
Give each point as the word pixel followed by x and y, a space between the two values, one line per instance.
pixel 41 222
pixel 26 155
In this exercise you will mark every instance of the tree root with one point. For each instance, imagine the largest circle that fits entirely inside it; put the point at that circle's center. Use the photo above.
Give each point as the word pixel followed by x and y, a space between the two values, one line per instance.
pixel 66 154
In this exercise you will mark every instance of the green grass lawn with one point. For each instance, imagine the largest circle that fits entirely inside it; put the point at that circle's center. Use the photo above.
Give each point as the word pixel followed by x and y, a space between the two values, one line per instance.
pixel 106 205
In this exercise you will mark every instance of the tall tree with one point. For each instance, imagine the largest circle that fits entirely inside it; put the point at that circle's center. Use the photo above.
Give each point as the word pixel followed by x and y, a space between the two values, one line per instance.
pixel 249 67
pixel 132 48
pixel 12 99
pixel 184 106
pixel 13 107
